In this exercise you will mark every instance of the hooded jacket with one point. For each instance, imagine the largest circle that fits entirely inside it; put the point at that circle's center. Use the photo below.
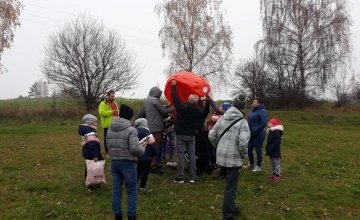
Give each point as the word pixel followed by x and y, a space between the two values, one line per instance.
pixel 154 111
pixel 123 142
pixel 90 143
pixel 257 121
pixel 232 147
pixel 273 145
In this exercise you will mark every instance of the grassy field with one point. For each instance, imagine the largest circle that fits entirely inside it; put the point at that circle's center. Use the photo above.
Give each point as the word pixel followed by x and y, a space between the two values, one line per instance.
pixel 41 176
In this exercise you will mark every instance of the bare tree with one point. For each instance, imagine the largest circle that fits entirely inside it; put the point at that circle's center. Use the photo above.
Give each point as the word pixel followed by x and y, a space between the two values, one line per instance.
pixel 38 89
pixel 355 92
pixel 195 36
pixel 9 20
pixel 86 60
pixel 305 42
pixel 252 76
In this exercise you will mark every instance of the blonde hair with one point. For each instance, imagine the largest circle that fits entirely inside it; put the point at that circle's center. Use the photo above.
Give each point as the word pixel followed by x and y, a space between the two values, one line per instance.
pixel 193 99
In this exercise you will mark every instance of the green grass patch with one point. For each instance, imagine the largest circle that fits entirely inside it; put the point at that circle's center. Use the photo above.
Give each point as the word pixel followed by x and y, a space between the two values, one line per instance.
pixel 41 176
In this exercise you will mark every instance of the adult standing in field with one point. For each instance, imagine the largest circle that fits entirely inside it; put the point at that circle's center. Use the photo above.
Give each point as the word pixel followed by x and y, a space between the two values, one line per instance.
pixel 107 110
pixel 188 121
pixel 155 113
pixel 230 136
pixel 257 122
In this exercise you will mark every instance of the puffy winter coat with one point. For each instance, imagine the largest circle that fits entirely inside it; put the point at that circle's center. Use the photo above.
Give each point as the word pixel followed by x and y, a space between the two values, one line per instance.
pixel 122 141
pixel 232 147
pixel 273 145
pixel 91 142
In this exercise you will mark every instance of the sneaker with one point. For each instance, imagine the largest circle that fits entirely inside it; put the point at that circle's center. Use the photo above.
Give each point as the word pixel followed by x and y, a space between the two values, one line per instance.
pixel 257 169
pixel 192 181
pixel 276 179
pixel 145 190
pixel 250 166
pixel 179 180
pixel 271 177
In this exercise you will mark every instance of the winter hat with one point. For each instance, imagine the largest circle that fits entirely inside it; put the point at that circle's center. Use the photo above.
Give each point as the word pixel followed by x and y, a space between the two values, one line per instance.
pixel 240 102
pixel 275 121
pixel 141 122
pixel 225 106
pixel 126 112
pixel 89 119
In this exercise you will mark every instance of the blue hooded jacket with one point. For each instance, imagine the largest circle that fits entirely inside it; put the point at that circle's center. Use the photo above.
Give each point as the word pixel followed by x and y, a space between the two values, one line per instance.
pixel 150 149
pixel 91 149
pixel 257 121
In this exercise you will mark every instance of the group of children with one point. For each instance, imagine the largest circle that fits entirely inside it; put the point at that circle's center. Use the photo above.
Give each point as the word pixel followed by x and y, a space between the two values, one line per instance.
pixel 91 146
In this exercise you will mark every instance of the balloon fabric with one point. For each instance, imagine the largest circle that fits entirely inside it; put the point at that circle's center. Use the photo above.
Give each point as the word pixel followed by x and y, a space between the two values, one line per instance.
pixel 187 83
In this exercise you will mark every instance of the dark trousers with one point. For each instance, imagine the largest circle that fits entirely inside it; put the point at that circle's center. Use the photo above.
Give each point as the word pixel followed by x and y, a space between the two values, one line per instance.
pixel 105 144
pixel 203 152
pixel 231 182
pixel 143 170
pixel 257 143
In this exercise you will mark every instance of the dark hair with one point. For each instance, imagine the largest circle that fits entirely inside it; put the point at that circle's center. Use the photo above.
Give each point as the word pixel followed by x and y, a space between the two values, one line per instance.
pixel 110 92
pixel 258 99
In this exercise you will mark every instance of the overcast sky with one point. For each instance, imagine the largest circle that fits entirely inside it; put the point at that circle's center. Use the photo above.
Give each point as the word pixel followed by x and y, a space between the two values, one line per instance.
pixel 138 25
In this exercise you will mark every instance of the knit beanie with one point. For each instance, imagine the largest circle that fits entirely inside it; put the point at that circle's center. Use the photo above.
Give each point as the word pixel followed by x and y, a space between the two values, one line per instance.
pixel 225 106
pixel 89 119
pixel 240 102
pixel 275 121
pixel 126 112
pixel 141 122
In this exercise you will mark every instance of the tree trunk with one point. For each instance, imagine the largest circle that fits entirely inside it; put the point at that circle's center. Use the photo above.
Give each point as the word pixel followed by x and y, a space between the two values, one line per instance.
pixel 90 103
pixel 302 92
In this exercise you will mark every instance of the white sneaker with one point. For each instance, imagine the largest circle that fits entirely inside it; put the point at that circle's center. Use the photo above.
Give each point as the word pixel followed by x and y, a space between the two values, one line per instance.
pixel 257 169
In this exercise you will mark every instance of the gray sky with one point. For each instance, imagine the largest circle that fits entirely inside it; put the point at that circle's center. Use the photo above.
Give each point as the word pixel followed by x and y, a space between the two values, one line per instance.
pixel 138 25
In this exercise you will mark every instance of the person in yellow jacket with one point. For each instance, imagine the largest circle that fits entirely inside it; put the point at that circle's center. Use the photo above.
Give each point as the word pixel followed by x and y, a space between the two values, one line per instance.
pixel 107 110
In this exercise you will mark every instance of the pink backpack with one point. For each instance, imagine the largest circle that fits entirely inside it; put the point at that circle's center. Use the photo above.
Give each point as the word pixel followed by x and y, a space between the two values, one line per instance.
pixel 95 172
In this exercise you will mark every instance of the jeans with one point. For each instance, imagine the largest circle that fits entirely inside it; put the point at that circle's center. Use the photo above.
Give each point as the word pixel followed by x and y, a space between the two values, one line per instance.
pixel 257 143
pixel 124 171
pixel 143 170
pixel 186 143
pixel 231 182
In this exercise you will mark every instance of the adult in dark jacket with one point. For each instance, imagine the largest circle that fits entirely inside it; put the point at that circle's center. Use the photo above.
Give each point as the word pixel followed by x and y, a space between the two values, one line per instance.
pixel 155 113
pixel 188 121
pixel 203 147
pixel 124 150
pixel 257 122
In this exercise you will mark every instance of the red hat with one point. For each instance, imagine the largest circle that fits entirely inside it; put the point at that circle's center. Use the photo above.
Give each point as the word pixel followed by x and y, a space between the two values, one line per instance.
pixel 275 121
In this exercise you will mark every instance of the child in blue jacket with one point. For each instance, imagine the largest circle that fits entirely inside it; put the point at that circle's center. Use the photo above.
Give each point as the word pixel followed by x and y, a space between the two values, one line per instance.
pixel 144 162
pixel 91 143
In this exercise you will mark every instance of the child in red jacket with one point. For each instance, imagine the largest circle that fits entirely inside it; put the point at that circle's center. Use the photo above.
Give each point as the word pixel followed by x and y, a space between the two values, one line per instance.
pixel 273 147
